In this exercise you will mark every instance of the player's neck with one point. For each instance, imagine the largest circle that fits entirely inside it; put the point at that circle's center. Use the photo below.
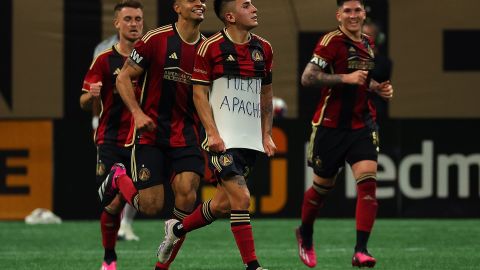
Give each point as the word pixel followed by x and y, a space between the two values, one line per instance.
pixel 355 36
pixel 189 32
pixel 124 47
pixel 236 35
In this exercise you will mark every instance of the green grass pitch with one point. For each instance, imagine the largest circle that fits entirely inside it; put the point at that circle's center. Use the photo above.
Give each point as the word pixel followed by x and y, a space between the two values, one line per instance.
pixel 396 243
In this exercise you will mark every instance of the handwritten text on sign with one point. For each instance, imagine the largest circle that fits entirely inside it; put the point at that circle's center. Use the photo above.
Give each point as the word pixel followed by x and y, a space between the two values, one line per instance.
pixel 236 110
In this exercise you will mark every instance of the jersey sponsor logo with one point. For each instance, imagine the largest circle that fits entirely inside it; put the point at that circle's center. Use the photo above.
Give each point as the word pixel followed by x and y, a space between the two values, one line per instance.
pixel 257 55
pixel 226 160
pixel 201 71
pixel 178 75
pixel 319 62
pixel 173 56
pixel 136 57
pixel 144 174
pixel 361 64
pixel 230 58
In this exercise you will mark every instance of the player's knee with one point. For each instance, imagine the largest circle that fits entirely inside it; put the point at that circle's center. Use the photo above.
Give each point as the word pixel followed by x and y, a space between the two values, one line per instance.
pixel 243 201
pixel 220 208
pixel 116 206
pixel 187 194
pixel 186 199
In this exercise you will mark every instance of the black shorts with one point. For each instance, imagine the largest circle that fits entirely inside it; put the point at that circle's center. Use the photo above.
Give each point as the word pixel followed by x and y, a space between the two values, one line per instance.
pixel 329 148
pixel 235 161
pixel 154 165
pixel 107 155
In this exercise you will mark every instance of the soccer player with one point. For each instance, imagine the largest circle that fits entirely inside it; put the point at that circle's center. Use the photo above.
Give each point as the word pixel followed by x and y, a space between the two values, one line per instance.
pixel 126 230
pixel 115 119
pixel 343 127
pixel 167 137
pixel 233 95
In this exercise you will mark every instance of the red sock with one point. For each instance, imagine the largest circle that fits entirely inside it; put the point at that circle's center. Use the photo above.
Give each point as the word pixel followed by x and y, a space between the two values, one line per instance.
pixel 312 202
pixel 242 231
pixel 200 217
pixel 128 190
pixel 161 266
pixel 366 205
pixel 109 225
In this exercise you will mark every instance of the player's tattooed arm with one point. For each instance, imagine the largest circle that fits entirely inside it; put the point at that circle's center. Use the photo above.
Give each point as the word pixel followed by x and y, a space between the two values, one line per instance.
pixel 133 65
pixel 266 107
pixel 313 76
pixel 129 72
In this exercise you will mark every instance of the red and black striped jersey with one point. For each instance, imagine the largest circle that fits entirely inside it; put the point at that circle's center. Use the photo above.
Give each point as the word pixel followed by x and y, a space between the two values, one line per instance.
pixel 167 95
pixel 115 118
pixel 219 56
pixel 344 105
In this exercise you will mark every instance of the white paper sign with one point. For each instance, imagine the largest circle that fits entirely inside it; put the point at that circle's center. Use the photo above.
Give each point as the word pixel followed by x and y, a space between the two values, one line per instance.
pixel 236 109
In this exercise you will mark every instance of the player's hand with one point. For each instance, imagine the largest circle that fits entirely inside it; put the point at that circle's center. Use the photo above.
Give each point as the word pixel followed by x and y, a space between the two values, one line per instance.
pixel 143 122
pixel 358 77
pixel 95 89
pixel 216 143
pixel 385 90
pixel 269 146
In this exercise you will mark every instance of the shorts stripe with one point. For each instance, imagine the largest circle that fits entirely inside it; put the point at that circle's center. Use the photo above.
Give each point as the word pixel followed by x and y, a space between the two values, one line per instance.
pixel 216 163
pixel 133 165
pixel 311 144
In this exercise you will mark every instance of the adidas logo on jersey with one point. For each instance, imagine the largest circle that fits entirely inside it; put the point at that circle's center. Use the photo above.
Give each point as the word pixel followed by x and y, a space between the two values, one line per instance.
pixel 230 58
pixel 173 56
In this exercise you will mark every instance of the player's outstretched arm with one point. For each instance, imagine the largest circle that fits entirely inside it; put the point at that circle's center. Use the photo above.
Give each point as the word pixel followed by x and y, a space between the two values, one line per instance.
pixel 313 76
pixel 267 119
pixel 200 99
pixel 129 72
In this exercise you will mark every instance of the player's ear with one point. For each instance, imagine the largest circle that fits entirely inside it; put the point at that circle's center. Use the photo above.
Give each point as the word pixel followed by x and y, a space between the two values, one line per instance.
pixel 176 7
pixel 116 23
pixel 338 15
pixel 229 17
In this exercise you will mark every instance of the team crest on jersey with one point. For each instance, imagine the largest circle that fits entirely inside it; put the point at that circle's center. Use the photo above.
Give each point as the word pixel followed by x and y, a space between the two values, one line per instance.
pixel 100 168
pixel 317 162
pixel 257 55
pixel 225 160
pixel 144 174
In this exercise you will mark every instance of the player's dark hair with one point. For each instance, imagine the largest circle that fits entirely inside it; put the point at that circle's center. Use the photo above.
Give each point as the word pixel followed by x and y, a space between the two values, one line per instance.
pixel 340 2
pixel 128 3
pixel 219 7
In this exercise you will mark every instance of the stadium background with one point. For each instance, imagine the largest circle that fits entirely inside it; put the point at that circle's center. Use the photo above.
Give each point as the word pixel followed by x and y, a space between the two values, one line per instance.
pixel 430 159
